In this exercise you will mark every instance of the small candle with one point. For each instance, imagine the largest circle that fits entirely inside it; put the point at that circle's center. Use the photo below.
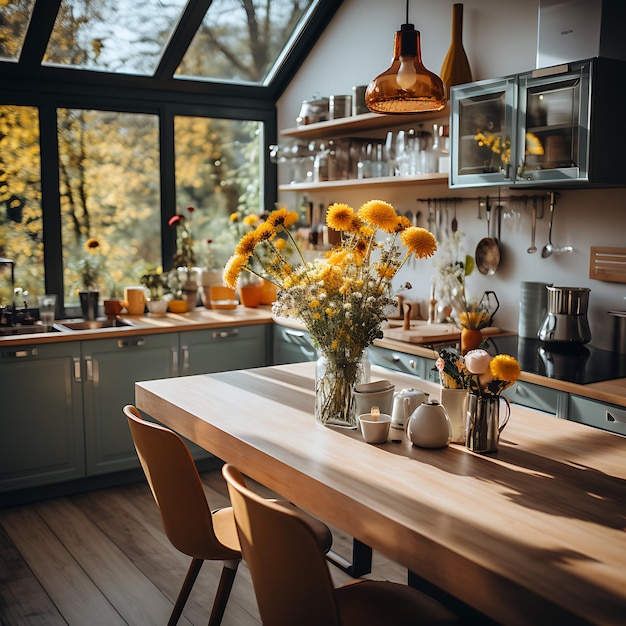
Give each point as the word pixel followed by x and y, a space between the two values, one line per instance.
pixel 375 412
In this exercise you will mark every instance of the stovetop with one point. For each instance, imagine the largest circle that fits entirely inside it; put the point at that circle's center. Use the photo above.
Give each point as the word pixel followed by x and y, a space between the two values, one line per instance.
pixel 576 364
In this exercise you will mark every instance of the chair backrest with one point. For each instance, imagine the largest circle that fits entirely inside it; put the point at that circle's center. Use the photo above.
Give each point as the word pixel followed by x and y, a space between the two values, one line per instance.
pixel 290 575
pixel 175 484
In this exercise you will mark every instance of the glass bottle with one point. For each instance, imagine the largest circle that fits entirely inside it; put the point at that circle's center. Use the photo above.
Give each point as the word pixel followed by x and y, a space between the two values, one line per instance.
pixel 456 69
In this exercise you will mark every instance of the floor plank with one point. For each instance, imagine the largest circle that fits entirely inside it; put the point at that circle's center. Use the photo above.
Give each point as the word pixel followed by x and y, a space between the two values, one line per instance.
pixel 102 558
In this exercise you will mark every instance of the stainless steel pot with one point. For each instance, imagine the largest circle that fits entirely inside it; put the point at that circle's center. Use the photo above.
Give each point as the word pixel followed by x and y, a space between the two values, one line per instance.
pixel 566 320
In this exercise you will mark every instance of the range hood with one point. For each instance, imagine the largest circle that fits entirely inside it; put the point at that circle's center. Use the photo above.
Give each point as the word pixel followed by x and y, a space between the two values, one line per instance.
pixel 572 30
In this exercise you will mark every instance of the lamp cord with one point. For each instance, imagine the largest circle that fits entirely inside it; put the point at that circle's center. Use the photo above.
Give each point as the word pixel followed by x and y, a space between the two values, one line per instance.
pixel 407 12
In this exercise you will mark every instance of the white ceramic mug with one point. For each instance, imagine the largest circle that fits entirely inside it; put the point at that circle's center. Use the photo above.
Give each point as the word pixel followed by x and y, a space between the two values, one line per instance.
pixel 375 429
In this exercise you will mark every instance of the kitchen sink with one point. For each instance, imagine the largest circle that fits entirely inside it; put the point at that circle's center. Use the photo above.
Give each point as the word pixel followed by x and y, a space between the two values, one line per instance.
pixel 27 329
pixel 74 325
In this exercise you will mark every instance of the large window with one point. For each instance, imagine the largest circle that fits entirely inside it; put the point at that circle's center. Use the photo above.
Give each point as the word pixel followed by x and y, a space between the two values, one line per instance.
pixel 21 223
pixel 217 173
pixel 109 191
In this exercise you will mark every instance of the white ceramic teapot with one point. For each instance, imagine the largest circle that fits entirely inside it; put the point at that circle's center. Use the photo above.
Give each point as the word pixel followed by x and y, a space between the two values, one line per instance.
pixel 404 403
pixel 429 426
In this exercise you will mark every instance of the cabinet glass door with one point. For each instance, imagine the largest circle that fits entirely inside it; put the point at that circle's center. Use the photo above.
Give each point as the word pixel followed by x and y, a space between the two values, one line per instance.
pixel 482 132
pixel 554 126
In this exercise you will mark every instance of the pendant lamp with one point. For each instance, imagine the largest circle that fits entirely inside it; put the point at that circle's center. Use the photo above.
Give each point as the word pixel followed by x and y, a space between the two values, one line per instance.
pixel 407 86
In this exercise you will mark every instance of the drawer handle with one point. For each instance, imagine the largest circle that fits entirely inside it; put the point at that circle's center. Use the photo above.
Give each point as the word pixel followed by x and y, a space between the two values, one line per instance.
pixel 129 343
pixel 614 415
pixel 412 364
pixel 223 334
pixel 294 333
pixel 20 354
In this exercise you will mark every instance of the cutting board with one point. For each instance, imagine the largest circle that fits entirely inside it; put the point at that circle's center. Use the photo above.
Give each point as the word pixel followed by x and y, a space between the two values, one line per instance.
pixel 423 332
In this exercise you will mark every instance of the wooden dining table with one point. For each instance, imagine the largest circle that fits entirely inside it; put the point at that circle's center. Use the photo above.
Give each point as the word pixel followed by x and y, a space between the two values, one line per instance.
pixel 534 533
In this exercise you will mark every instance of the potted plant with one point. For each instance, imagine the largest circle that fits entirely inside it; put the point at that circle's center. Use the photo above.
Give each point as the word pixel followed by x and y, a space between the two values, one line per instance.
pixel 154 283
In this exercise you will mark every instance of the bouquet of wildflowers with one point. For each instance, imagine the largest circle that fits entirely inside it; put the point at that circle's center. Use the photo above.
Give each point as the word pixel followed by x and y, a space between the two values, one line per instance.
pixel 339 298
pixel 452 371
pixel 490 376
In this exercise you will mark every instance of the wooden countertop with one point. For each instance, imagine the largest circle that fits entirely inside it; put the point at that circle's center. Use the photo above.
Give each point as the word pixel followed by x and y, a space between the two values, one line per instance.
pixel 611 391
pixel 532 534
pixel 198 319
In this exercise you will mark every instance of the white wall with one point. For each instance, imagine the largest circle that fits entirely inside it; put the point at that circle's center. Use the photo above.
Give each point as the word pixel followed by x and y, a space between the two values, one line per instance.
pixel 500 37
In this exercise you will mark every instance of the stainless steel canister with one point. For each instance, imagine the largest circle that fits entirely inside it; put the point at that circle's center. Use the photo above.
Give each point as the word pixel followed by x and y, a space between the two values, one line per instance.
pixel 533 307
pixel 358 100
pixel 339 106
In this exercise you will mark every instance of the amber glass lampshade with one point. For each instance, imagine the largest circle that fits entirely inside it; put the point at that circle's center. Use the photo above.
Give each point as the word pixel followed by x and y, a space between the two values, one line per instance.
pixel 407 86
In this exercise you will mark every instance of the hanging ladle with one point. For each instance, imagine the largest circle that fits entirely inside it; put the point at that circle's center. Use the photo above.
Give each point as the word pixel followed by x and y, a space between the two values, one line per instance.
pixel 487 254
pixel 550 249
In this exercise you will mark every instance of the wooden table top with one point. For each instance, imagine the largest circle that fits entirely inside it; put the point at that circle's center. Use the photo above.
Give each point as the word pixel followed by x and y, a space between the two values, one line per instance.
pixel 532 534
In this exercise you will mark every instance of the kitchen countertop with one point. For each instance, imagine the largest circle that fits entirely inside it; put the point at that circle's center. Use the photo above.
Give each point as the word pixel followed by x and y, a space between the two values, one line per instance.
pixel 611 391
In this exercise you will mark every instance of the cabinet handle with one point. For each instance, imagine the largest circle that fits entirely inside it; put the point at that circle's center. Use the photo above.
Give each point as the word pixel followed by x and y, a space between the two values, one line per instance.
pixel 77 374
pixel 185 351
pixel 130 343
pixel 174 362
pixel 19 354
pixel 223 334
pixel 88 369
pixel 395 358
pixel 412 364
pixel 294 333
pixel 613 415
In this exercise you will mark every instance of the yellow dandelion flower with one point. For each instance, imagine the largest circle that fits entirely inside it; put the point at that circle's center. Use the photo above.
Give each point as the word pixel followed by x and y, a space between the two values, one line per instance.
pixel 340 216
pixel 280 244
pixel 504 367
pixel 380 215
pixel 329 312
pixel 366 232
pixel 337 257
pixel 333 345
pixel 234 217
pixel 264 232
pixel 247 244
pixel 282 219
pixel 233 268
pixel 419 241
pixel 316 316
pixel 251 220
pixel 403 223
pixel 314 303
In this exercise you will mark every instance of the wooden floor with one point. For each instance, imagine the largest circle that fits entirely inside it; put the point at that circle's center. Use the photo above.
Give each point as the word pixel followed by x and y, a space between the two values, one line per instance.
pixel 102 558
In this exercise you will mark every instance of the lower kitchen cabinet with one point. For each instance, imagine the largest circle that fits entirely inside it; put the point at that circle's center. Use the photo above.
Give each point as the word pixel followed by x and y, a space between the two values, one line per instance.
pixel 419 366
pixel 599 414
pixel 41 425
pixel 224 349
pixel 291 345
pixel 110 369
pixel 539 398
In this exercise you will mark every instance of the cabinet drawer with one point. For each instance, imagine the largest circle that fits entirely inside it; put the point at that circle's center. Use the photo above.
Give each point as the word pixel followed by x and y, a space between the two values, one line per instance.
pixel 605 416
pixel 401 362
pixel 539 398
pixel 292 345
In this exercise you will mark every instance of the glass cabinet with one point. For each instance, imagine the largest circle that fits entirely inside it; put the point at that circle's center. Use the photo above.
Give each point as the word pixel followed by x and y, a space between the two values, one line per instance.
pixel 559 126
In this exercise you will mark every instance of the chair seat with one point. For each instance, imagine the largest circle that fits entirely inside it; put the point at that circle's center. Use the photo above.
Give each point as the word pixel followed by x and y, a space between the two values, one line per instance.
pixel 226 529
pixel 365 602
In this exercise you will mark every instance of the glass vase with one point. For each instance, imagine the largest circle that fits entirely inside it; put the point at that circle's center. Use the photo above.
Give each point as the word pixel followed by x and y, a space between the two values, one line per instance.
pixel 89 304
pixel 335 377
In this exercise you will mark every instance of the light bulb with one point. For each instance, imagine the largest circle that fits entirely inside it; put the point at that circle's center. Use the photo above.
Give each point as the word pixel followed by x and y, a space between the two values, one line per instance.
pixel 406 74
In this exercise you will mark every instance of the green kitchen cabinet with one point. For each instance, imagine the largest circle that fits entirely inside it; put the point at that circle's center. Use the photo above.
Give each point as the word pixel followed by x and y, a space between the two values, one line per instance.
pixel 224 349
pixel 292 345
pixel 41 427
pixel 110 369
pixel 402 362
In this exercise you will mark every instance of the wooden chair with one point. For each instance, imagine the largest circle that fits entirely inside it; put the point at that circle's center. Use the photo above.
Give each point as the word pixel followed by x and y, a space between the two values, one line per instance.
pixel 187 520
pixel 291 579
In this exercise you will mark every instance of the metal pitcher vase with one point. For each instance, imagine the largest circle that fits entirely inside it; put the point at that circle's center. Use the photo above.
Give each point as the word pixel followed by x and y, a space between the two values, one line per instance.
pixel 485 423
